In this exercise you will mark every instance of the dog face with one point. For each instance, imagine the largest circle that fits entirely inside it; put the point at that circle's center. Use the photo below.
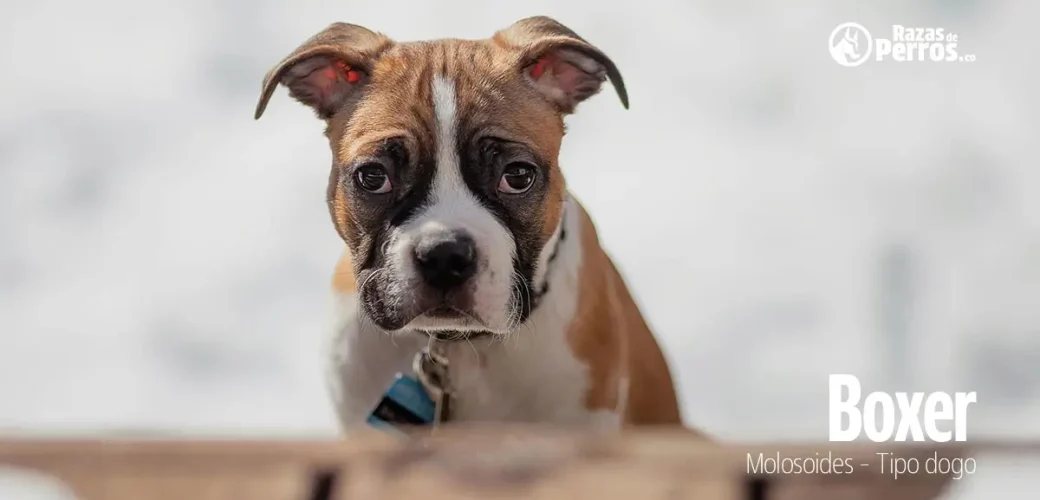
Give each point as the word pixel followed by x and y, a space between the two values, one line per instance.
pixel 444 183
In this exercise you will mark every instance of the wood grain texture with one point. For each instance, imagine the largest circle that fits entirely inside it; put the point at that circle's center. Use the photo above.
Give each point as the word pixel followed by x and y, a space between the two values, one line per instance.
pixel 473 463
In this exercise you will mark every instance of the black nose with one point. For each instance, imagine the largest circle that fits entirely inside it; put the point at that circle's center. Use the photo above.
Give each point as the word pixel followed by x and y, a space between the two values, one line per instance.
pixel 446 260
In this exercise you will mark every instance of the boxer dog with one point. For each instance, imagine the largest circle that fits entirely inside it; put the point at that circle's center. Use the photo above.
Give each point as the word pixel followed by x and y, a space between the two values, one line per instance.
pixel 459 228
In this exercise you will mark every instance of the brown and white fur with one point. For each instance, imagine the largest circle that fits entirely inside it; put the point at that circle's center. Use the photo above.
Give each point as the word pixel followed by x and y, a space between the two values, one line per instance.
pixel 446 152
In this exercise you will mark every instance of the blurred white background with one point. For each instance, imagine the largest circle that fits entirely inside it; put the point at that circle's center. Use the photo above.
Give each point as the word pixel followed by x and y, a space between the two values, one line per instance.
pixel 165 259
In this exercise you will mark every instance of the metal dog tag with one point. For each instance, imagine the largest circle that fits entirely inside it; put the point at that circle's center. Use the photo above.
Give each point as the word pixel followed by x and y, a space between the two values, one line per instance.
pixel 415 400
pixel 405 404
pixel 431 368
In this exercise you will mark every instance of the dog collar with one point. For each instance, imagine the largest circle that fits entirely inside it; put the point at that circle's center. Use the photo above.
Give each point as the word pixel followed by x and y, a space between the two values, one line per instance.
pixel 537 295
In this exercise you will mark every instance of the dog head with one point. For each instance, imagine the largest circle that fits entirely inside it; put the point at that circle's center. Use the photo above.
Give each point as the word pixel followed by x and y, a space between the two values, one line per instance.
pixel 444 182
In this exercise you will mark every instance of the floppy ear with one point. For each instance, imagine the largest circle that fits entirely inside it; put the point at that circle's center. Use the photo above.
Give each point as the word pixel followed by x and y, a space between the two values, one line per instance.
pixel 327 69
pixel 559 63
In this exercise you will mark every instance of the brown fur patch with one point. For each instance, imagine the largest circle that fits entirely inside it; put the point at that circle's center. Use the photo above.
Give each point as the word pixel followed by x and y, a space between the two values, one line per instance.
pixel 343 279
pixel 608 332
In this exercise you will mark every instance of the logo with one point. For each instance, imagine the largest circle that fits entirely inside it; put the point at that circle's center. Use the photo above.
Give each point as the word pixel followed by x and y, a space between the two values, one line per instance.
pixel 852 45
pixel 893 425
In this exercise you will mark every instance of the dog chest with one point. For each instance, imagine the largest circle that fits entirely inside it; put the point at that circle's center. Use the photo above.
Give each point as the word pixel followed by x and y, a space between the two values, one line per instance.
pixel 530 378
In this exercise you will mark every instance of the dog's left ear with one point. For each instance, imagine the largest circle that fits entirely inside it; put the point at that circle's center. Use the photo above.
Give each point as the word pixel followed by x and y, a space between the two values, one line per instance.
pixel 559 63
pixel 327 69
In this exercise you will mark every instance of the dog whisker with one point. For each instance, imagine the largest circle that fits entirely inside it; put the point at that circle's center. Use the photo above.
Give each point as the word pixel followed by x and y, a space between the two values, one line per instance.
pixel 377 301
pixel 515 321
pixel 476 353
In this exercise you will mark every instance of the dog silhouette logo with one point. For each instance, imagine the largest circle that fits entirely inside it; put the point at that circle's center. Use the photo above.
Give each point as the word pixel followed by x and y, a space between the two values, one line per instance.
pixel 851 44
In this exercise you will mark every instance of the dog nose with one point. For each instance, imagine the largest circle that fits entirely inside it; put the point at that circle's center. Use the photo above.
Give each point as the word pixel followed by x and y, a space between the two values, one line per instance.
pixel 446 260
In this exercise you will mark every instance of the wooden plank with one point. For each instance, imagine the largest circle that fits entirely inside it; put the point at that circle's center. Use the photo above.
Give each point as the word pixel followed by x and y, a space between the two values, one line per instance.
pixel 475 463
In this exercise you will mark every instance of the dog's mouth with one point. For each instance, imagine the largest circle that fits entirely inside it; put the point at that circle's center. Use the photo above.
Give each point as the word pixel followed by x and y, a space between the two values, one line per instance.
pixel 404 307
pixel 446 311
pixel 447 323
pixel 457 335
pixel 446 317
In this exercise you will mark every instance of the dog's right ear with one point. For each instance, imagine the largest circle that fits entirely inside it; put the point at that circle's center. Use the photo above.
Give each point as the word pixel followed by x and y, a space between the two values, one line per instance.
pixel 327 69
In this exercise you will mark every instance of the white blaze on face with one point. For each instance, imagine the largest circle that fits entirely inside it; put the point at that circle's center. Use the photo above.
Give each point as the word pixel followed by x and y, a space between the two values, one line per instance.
pixel 452 206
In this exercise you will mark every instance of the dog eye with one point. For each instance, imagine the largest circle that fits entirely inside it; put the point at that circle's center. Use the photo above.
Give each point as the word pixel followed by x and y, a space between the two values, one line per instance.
pixel 517 178
pixel 372 177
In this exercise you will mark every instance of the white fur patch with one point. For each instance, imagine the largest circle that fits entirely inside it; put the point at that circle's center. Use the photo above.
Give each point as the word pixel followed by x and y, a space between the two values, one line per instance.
pixel 452 206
